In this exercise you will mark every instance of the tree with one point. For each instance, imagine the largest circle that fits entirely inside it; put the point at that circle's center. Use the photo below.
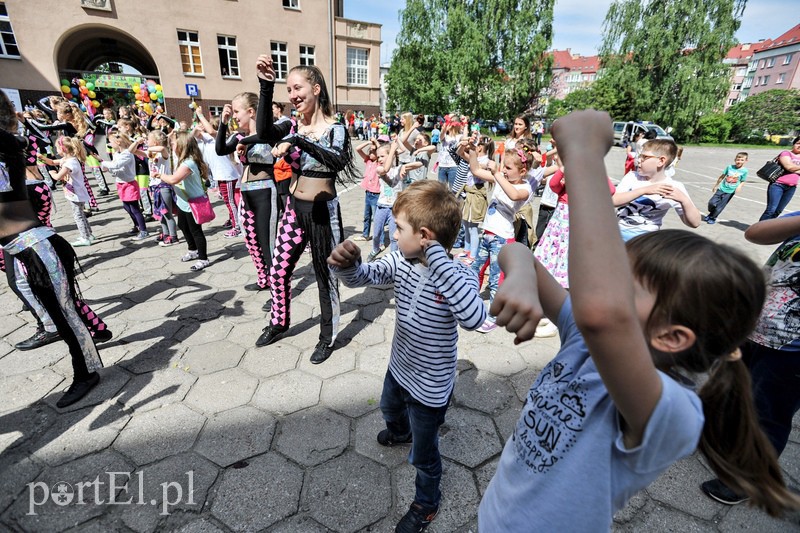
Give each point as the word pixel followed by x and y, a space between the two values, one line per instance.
pixel 667 54
pixel 773 112
pixel 482 57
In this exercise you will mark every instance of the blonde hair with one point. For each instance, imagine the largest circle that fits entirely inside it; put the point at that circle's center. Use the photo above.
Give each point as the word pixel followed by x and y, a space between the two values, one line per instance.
pixel 72 146
pixel 8 117
pixel 123 141
pixel 186 148
pixel 73 115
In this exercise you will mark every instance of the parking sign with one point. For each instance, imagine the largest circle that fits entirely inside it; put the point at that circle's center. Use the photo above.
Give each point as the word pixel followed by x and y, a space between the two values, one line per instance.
pixel 191 90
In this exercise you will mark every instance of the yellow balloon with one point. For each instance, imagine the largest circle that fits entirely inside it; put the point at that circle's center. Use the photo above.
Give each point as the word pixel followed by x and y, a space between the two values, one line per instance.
pixel 91 94
pixel 136 88
pixel 148 109
pixel 159 88
pixel 81 82
pixel 95 104
pixel 65 89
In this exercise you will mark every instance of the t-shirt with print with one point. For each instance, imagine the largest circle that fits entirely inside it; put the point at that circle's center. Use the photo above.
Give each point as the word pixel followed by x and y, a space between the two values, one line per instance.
pixel 733 177
pixel 75 186
pixel 566 467
pixel 779 325
pixel 645 213
pixel 790 178
pixel 390 190
pixel 191 187
pixel 501 210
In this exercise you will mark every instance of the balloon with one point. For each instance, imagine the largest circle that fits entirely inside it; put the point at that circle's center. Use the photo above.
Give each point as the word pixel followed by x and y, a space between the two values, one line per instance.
pixel 148 109
pixel 74 91
pixel 65 82
pixel 161 99
pixel 159 88
pixel 145 97
pixel 136 87
pixel 95 104
pixel 160 94
pixel 68 96
pixel 91 94
pixel 90 86
pixel 83 107
pixel 82 82
pixel 138 97
pixel 65 89
pixel 83 89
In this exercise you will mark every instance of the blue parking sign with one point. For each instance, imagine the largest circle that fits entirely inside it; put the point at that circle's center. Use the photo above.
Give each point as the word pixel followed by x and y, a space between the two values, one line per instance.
pixel 191 90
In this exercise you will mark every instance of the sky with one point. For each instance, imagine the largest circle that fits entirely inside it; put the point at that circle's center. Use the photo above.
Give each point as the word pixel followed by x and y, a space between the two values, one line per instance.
pixel 576 27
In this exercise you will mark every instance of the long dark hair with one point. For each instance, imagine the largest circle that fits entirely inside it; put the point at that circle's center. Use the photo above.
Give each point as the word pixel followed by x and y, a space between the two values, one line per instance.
pixel 186 148
pixel 315 77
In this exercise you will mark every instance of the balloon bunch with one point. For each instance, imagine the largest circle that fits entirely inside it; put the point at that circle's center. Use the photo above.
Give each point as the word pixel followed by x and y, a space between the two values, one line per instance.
pixel 149 92
pixel 82 92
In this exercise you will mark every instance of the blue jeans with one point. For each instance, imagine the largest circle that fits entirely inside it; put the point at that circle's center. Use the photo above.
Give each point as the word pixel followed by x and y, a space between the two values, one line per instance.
pixel 471 238
pixel 717 203
pixel 778 195
pixel 370 206
pixel 489 248
pixel 403 415
pixel 383 215
pixel 447 175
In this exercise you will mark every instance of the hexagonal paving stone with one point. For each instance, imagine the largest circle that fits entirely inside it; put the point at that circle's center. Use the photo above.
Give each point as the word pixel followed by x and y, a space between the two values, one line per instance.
pixel 374 359
pixel 288 392
pixel 366 441
pixel 523 382
pixel 221 391
pixel 18 470
pixel 483 391
pixel 79 433
pixel 679 487
pixel 11 323
pixel 154 310
pixel 156 389
pixel 332 489
pixel 352 394
pixel 270 360
pixel 341 361
pixel 28 424
pixel 201 525
pixel 485 474
pixel 468 437
pixel 159 433
pixel 235 435
pixel 501 362
pixel 52 517
pixel 22 362
pixel 371 334
pixel 212 357
pixel 112 379
pixel 250 498
pixel 21 390
pixel 313 436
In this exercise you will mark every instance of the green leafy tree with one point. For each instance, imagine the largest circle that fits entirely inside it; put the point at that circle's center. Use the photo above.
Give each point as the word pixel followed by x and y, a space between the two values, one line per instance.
pixel 481 57
pixel 773 112
pixel 667 55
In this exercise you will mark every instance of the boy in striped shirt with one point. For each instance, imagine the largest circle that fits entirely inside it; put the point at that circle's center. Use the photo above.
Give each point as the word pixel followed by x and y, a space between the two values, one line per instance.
pixel 433 295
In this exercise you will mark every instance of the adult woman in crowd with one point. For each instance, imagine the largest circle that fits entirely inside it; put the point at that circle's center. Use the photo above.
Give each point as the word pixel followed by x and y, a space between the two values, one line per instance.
pixel 780 192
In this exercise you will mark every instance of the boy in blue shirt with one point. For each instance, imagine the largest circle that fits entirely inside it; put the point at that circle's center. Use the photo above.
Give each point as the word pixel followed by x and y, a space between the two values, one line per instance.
pixel 729 183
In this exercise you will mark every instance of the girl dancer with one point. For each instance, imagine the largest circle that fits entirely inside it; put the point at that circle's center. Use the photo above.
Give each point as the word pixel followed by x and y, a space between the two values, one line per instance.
pixel 312 213
pixel 160 162
pixel 44 263
pixel 71 174
pixel 123 168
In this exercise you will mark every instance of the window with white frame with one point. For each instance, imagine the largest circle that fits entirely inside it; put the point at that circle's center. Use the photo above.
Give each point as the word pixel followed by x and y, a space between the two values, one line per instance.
pixel 280 59
pixel 781 77
pixel 766 80
pixel 736 87
pixel 747 83
pixel 189 44
pixel 770 62
pixel 761 64
pixel 731 101
pixel 741 71
pixel 8 42
pixel 357 66
pixel 758 81
pixel 292 4
pixel 306 55
pixel 787 59
pixel 228 56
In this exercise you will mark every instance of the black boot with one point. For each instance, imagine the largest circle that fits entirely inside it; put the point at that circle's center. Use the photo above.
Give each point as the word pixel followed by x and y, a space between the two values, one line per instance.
pixel 78 390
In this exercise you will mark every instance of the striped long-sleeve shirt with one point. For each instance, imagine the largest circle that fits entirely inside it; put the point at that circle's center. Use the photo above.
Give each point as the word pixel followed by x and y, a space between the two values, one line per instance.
pixel 431 303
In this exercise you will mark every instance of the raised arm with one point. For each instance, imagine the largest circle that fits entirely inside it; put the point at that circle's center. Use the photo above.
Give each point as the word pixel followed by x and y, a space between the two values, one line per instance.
pixel 207 127
pixel 478 171
pixel 773 231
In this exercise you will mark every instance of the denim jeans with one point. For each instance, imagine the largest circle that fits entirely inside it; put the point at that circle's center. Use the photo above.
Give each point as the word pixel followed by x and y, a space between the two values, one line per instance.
pixel 447 175
pixel 383 214
pixel 471 238
pixel 403 415
pixel 489 248
pixel 370 206
pixel 778 195
pixel 717 203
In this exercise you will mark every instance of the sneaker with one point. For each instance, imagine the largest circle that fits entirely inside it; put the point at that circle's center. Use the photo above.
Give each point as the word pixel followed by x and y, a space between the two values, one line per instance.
pixel 78 390
pixel 92 238
pixel 168 241
pixel 133 231
pixel 227 225
pixel 487 326
pixel 710 221
pixel 142 236
pixel 149 218
pixel 389 439
pixel 545 330
pixel 200 265
pixel 362 238
pixel 191 255
pixel 160 237
pixel 39 339
pixel 232 233
pixel 104 192
pixel 104 335
pixel 719 491
pixel 462 255
pixel 271 334
pixel 321 353
pixel 81 242
pixel 372 255
pixel 416 519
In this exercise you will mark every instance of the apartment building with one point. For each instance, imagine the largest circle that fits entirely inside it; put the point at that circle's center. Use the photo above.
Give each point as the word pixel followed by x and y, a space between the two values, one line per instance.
pixel 572 72
pixel 775 64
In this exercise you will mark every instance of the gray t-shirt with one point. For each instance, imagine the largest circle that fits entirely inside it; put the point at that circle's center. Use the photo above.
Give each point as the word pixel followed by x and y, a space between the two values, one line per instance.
pixel 419 173
pixel 565 467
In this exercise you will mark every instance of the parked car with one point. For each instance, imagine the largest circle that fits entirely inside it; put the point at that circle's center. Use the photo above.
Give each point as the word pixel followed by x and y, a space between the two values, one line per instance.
pixel 431 121
pixel 624 131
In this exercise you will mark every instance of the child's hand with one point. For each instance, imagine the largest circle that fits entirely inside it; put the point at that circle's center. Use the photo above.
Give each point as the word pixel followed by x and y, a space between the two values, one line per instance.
pixel 676 194
pixel 345 255
pixel 661 189
pixel 403 171
pixel 582 131
pixel 281 150
pixel 241 150
pixel 264 68
pixel 516 305
pixel 227 113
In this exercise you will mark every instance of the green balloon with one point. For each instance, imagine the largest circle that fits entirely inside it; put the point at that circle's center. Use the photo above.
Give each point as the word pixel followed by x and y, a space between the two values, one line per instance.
pixel 65 82
pixel 90 86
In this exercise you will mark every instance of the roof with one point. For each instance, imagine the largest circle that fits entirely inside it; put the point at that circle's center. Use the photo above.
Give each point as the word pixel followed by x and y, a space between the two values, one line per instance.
pixel 565 59
pixel 787 39
pixel 746 50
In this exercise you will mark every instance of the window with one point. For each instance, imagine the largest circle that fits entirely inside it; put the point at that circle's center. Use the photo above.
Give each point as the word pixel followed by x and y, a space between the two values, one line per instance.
pixel 736 87
pixel 741 71
pixel 761 64
pixel 787 59
pixel 357 66
pixel 228 56
pixel 292 4
pixel 215 110
pixel 747 83
pixel 770 62
pixel 731 101
pixel 280 60
pixel 781 77
pixel 306 55
pixel 758 81
pixel 189 44
pixel 766 80
pixel 8 43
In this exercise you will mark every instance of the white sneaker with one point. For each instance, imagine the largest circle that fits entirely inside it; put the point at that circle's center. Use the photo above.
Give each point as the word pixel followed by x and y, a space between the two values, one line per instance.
pixel 81 242
pixel 200 265
pixel 191 255
pixel 547 330
pixel 487 326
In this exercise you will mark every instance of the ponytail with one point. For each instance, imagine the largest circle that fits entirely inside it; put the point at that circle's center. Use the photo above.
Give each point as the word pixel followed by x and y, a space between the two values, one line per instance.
pixel 734 444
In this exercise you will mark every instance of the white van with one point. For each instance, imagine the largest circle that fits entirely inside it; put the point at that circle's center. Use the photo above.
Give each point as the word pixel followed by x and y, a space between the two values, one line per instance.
pixel 624 131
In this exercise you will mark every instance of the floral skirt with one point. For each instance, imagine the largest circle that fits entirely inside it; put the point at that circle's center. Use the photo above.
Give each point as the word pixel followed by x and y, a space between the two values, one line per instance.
pixel 553 250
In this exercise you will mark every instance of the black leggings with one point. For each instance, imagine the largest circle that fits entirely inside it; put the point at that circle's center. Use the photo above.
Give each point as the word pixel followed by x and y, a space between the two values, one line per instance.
pixel 135 212
pixel 193 233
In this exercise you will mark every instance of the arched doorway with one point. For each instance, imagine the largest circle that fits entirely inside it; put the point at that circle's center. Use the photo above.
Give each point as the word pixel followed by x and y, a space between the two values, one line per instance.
pixel 86 47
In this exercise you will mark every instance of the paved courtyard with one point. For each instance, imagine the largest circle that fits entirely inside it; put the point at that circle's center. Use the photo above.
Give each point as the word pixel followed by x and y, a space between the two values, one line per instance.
pixel 212 434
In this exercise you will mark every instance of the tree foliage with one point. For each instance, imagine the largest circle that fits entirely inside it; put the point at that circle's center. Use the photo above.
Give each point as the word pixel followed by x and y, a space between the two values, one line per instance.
pixel 772 112
pixel 668 55
pixel 481 57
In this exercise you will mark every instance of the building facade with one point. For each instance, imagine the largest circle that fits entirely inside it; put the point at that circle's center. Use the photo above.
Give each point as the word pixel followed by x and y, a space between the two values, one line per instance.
pixel 775 64
pixel 572 72
pixel 203 47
